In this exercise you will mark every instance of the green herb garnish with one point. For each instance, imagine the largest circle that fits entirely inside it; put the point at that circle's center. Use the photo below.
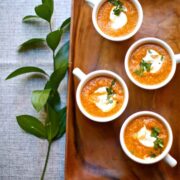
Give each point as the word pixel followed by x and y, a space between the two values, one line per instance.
pixel 118 6
pixel 150 51
pixel 110 91
pixel 158 143
pixel 144 67
pixel 152 155
pixel 155 132
pixel 162 58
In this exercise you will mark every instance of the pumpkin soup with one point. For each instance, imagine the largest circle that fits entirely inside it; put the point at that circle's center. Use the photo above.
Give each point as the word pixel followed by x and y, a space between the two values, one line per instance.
pixel 150 64
pixel 146 137
pixel 117 18
pixel 102 96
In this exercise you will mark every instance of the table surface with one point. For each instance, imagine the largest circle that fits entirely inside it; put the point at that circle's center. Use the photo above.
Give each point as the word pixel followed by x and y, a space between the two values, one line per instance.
pixel 22 156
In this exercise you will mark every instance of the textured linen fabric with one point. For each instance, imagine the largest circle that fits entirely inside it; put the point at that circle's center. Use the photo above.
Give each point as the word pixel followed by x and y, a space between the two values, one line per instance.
pixel 22 156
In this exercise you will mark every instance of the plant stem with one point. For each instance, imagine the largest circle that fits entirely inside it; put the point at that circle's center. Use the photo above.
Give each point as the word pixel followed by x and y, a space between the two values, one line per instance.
pixel 54 60
pixel 50 26
pixel 47 157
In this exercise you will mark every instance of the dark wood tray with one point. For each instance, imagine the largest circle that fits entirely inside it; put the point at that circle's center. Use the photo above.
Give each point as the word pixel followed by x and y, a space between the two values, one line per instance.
pixel 93 150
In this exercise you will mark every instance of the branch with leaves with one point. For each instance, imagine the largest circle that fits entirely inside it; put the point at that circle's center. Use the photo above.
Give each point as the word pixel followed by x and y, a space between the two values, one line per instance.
pixel 47 99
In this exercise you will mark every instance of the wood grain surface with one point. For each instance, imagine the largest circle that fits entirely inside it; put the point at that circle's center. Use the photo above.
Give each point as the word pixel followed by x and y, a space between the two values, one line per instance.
pixel 93 151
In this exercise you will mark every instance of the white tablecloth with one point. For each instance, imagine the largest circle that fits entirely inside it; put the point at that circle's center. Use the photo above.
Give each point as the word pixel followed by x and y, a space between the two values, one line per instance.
pixel 22 156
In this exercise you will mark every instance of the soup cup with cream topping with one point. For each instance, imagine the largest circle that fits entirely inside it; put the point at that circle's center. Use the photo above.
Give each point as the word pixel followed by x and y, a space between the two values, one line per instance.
pixel 175 59
pixel 163 155
pixel 97 4
pixel 84 79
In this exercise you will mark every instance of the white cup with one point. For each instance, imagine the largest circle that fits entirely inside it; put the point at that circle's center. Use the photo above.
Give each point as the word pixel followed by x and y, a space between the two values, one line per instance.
pixel 85 78
pixel 96 4
pixel 175 60
pixel 164 155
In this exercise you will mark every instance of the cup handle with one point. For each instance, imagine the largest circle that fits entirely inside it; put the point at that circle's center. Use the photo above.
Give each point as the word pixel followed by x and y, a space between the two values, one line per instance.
pixel 91 2
pixel 170 160
pixel 177 58
pixel 79 74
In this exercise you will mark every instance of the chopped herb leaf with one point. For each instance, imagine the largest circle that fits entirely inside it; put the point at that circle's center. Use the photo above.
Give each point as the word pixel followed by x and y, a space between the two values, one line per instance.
pixel 162 58
pixel 111 101
pixel 155 132
pixel 158 143
pixel 150 51
pixel 139 72
pixel 144 66
pixel 152 155
pixel 110 91
pixel 118 6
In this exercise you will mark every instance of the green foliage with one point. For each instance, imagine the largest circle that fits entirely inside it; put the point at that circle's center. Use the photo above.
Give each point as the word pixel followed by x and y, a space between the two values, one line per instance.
pixel 66 25
pixel 24 70
pixel 57 76
pixel 52 123
pixel 62 123
pixel 49 98
pixel 30 18
pixel 53 39
pixel 32 43
pixel 44 12
pixel 62 55
pixel 39 98
pixel 32 125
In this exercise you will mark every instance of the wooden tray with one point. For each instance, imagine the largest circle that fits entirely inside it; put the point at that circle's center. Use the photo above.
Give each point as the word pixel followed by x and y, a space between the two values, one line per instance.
pixel 93 150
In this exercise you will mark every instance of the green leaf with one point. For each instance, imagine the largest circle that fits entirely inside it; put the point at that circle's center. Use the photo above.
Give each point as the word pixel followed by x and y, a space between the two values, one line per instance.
pixel 31 43
pixel 50 4
pixel 66 25
pixel 62 55
pixel 44 12
pixel 62 123
pixel 57 76
pixel 30 18
pixel 24 70
pixel 55 100
pixel 32 126
pixel 53 39
pixel 52 123
pixel 39 98
pixel 155 132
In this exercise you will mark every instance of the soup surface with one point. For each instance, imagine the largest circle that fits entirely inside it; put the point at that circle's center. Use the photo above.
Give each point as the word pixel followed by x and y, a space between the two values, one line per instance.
pixel 146 137
pixel 117 24
pixel 102 96
pixel 150 64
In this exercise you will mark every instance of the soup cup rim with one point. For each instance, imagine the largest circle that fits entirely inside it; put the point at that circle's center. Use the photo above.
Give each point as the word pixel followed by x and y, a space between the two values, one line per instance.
pixel 159 157
pixel 157 41
pixel 92 75
pixel 120 38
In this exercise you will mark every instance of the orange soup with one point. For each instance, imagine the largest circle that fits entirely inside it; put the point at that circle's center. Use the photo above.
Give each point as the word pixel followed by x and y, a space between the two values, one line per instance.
pixel 150 64
pixel 117 20
pixel 102 96
pixel 146 137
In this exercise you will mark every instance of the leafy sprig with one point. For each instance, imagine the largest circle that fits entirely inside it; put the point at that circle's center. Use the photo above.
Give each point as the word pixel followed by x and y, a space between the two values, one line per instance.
pixel 118 6
pixel 158 143
pixel 155 132
pixel 143 67
pixel 47 99
pixel 110 91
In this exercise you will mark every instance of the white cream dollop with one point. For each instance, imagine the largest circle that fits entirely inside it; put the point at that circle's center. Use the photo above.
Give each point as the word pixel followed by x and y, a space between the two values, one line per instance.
pixel 145 138
pixel 101 100
pixel 155 59
pixel 119 21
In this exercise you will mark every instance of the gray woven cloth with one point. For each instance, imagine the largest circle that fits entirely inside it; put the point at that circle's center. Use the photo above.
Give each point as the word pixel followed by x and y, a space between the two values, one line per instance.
pixel 22 156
